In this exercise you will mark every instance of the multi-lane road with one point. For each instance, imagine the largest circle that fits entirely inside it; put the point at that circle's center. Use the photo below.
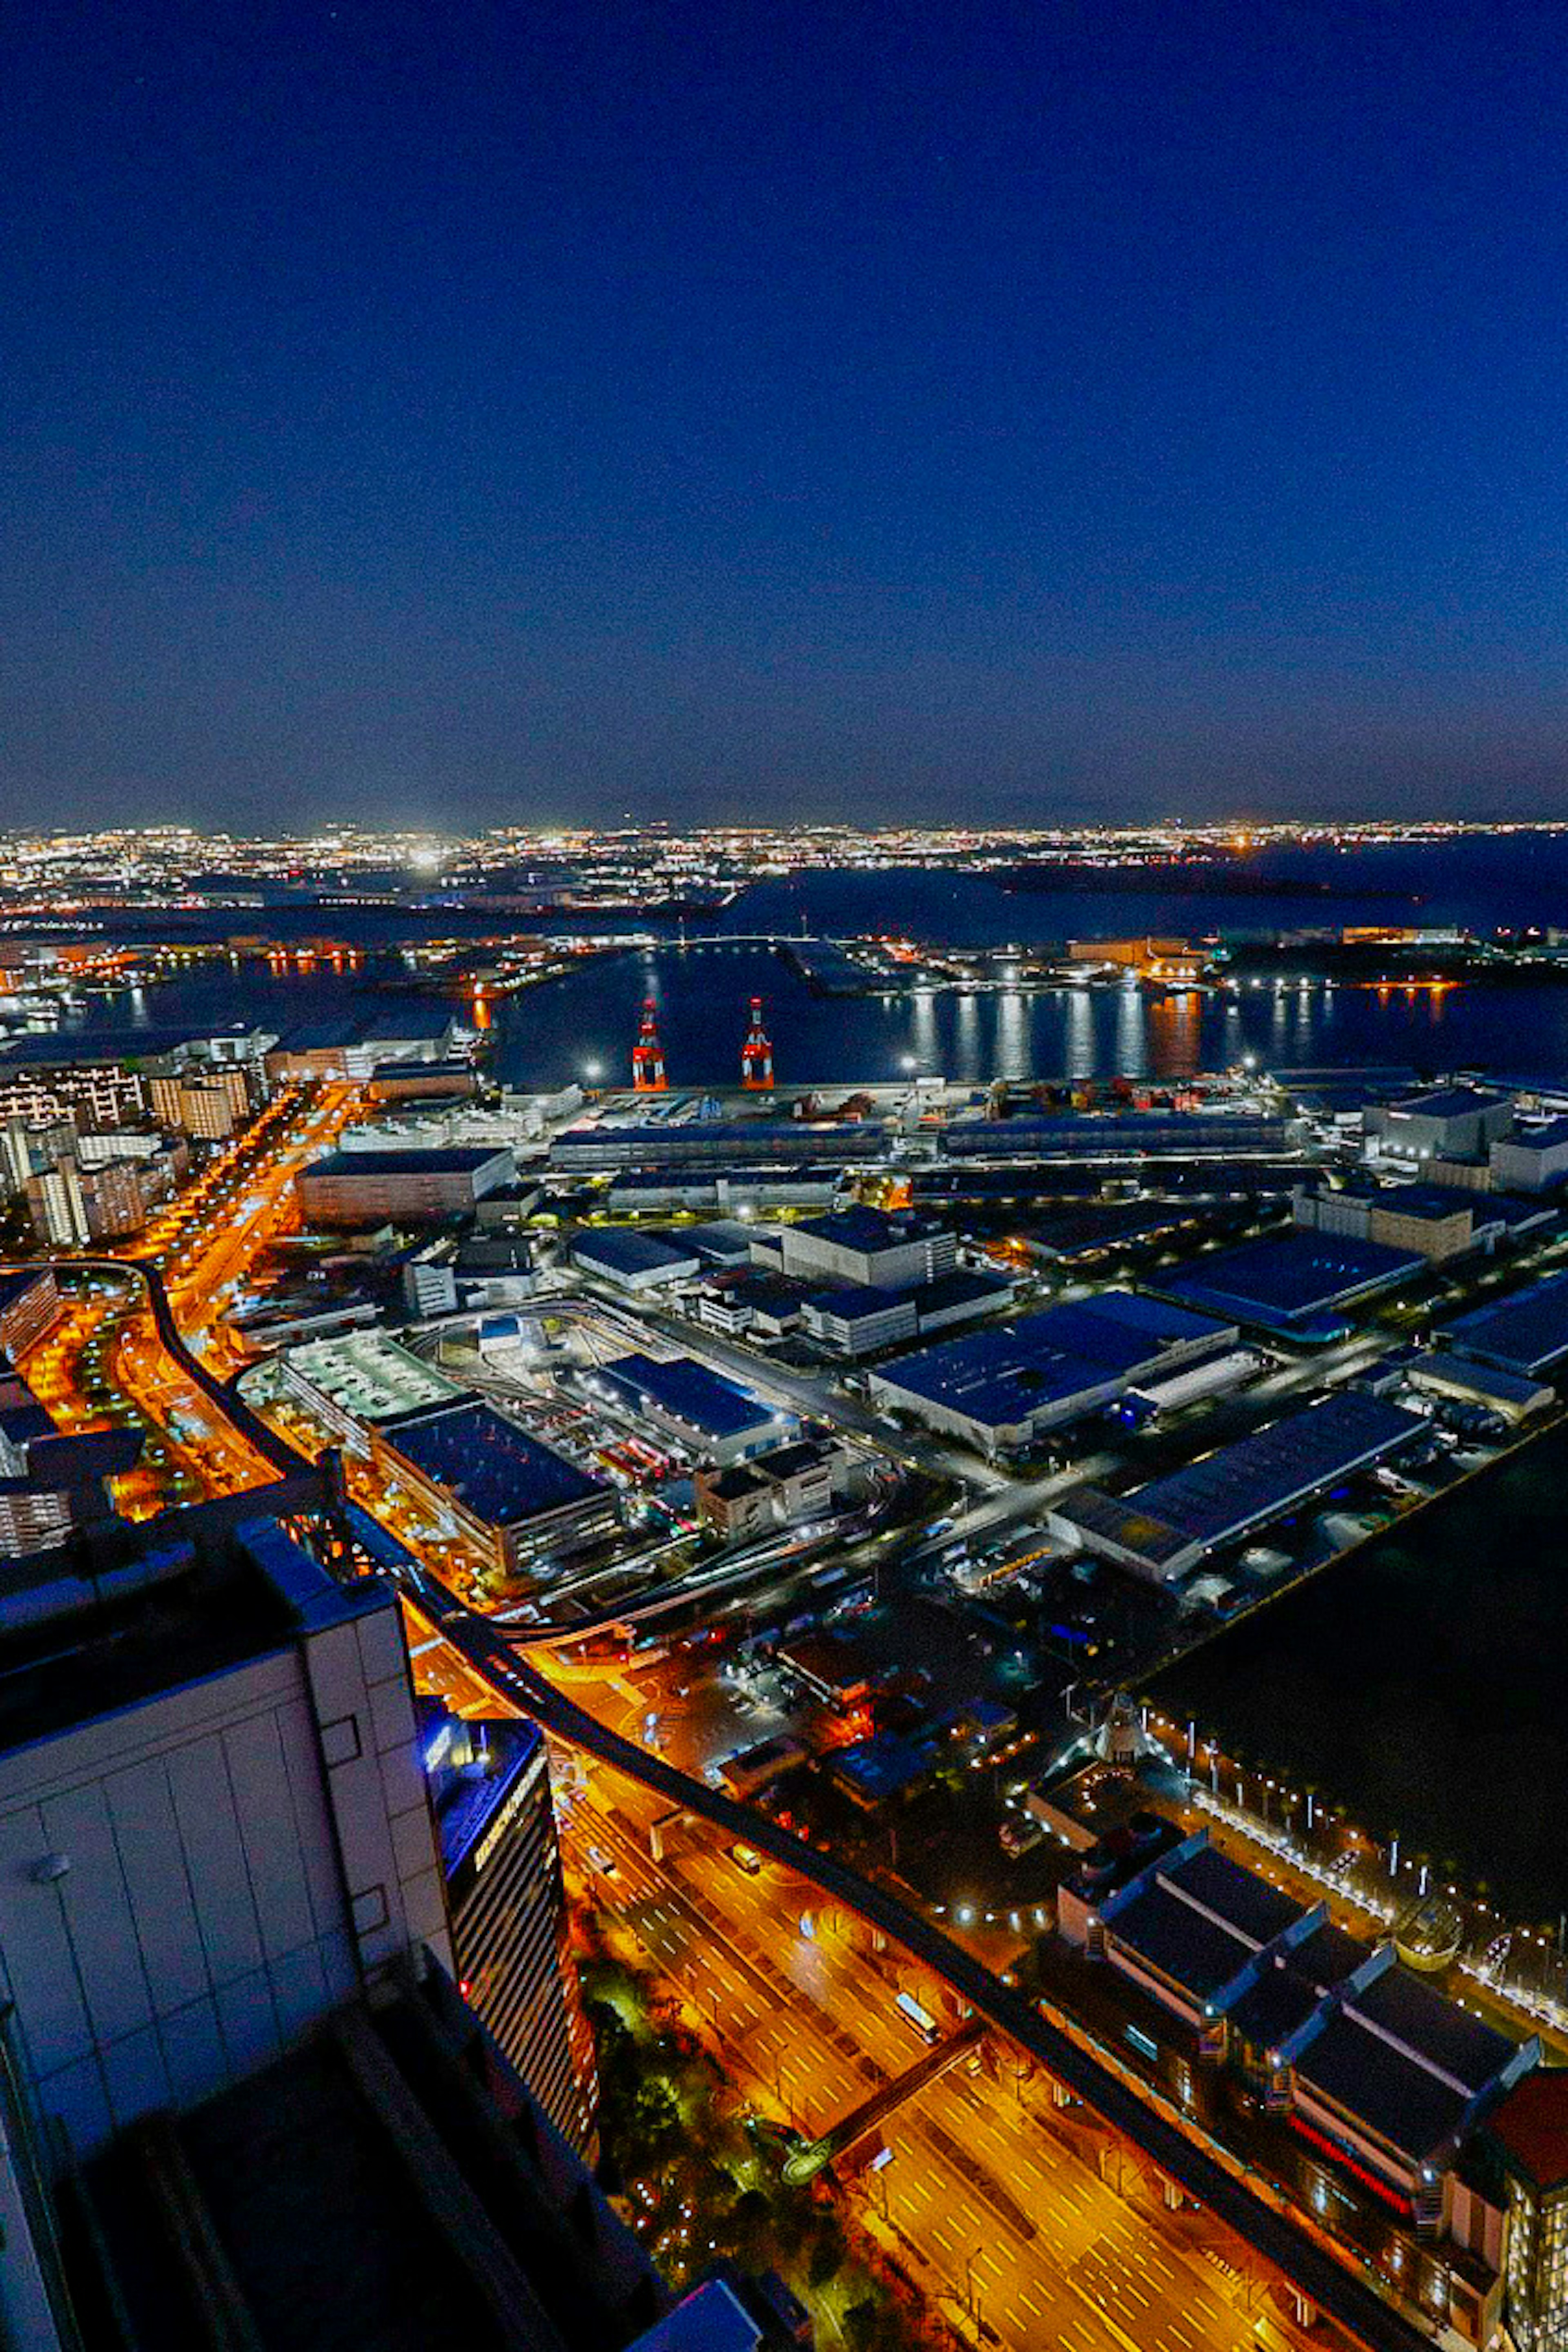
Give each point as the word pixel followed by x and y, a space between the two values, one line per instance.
pixel 1034 2217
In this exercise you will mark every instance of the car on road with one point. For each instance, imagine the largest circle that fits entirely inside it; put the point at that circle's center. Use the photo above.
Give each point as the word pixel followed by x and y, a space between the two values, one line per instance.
pixel 746 1858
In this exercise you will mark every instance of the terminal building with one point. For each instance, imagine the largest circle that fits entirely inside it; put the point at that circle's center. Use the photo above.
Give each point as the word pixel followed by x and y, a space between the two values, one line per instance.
pixel 1298 1286
pixel 351 1383
pixel 699 1410
pixel 1165 1530
pixel 1346 2077
pixel 1003 1390
pixel 524 1507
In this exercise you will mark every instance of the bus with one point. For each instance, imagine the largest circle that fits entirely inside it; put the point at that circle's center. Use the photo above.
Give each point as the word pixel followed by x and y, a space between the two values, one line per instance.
pixel 921 2018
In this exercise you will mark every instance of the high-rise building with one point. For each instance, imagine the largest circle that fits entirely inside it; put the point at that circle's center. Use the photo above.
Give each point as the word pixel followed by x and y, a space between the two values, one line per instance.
pixel 210 1798
pixel 495 1819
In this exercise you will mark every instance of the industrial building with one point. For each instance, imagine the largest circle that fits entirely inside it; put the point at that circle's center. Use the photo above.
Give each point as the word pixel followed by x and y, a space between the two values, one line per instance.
pixel 1526 1334
pixel 633 1262
pixel 597 1147
pixel 1442 1123
pixel 1003 1389
pixel 734 1190
pixel 495 1824
pixel 1369 2087
pixel 1125 1135
pixel 867 1248
pixel 700 1408
pixel 1436 1222
pixel 784 1487
pixel 1297 1286
pixel 1163 1529
pixel 522 1505
pixel 350 1383
pixel 400 1188
pixel 1533 1158
pixel 861 1320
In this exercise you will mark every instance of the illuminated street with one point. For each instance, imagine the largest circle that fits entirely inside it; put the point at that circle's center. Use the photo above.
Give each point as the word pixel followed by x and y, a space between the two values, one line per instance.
pixel 1041 2211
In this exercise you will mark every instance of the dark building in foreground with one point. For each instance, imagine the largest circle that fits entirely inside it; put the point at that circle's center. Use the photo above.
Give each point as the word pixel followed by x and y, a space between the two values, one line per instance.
pixel 244 2107
pixel 495 1819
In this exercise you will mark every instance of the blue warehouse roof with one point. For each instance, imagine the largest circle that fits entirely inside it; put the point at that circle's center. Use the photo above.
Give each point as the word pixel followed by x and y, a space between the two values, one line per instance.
pixel 1289 1282
pixel 625 1252
pixel 489 1466
pixel 705 1401
pixel 1002 1376
pixel 1524 1334
pixel 1243 1484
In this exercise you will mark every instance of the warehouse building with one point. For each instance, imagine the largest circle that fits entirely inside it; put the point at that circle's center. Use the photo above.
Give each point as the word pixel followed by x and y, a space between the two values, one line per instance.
pixel 400 1188
pixel 867 1248
pixel 1526 1334
pixel 633 1262
pixel 1163 1529
pixel 1533 1158
pixel 1299 1285
pixel 699 1409
pixel 597 1148
pixel 523 1506
pixel 1431 1220
pixel 1443 1123
pixel 1003 1389
pixel 1128 1135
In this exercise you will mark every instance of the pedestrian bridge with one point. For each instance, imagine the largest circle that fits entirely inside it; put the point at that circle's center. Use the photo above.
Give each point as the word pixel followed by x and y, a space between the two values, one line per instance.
pixel 805 2163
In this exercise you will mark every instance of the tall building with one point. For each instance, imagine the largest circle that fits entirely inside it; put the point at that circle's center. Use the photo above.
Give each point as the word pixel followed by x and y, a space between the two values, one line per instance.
pixel 495 1819
pixel 210 1799
pixel 242 2101
pixel 1528 2137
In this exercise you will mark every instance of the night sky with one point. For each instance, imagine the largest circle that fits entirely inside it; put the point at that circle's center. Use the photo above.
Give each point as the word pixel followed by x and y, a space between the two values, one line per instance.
pixel 962 409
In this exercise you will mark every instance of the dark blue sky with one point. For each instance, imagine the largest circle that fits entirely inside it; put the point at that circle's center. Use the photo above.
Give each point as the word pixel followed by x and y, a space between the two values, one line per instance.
pixel 962 408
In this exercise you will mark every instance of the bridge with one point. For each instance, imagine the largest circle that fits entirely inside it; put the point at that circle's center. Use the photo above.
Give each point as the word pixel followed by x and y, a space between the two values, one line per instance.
pixel 805 2163
pixel 1198 2165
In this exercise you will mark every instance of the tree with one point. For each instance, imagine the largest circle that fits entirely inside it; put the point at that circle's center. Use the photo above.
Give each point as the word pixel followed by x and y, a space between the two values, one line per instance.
pixel 827 2252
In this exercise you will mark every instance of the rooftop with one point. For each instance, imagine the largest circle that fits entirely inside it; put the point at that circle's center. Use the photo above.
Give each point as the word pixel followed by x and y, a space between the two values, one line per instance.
pixel 704 1399
pixel 1525 1333
pixel 626 1251
pixel 1240 1483
pixel 448 1159
pixel 1530 2126
pixel 1446 1102
pixel 487 1464
pixel 999 1376
pixel 1296 1275
pixel 159 1604
pixel 1404 2061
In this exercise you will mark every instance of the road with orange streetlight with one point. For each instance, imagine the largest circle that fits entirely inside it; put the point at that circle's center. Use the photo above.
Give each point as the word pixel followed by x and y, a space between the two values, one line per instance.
pixel 1036 2217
